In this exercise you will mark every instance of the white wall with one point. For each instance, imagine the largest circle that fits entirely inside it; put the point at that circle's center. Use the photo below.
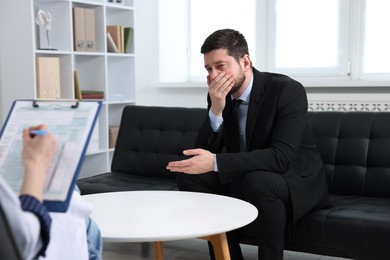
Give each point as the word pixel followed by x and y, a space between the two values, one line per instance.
pixel 146 40
pixel 1 85
pixel 16 56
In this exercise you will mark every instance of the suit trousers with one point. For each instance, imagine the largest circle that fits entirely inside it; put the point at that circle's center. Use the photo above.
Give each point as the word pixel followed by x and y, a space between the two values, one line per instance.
pixel 267 191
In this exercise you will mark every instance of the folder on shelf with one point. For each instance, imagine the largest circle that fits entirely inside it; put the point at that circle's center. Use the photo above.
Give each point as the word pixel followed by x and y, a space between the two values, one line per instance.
pixel 122 30
pixel 128 36
pixel 115 32
pixel 71 122
pixel 111 46
pixel 112 136
pixel 48 77
pixel 79 29
pixel 90 40
pixel 77 90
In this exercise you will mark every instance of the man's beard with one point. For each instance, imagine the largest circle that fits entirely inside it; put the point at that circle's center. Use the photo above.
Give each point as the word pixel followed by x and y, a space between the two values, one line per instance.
pixel 238 84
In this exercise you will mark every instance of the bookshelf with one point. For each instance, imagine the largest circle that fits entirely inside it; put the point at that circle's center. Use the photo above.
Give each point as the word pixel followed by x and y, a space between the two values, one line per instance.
pixel 24 42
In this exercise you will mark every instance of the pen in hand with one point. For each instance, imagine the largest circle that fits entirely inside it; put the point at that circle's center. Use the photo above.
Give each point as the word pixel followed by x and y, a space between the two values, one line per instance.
pixel 38 132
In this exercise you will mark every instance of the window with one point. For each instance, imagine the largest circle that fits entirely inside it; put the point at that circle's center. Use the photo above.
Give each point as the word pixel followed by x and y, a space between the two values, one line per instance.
pixel 307 40
pixel 342 40
pixel 376 38
pixel 218 14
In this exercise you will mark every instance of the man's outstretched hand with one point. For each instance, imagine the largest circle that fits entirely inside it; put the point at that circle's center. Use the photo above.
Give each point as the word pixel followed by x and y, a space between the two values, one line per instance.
pixel 201 161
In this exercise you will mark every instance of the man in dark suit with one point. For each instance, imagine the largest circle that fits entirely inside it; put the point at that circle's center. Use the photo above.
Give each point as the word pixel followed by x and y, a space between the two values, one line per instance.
pixel 270 159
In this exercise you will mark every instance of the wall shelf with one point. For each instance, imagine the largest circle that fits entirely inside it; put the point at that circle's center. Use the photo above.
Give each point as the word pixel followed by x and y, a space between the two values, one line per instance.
pixel 98 70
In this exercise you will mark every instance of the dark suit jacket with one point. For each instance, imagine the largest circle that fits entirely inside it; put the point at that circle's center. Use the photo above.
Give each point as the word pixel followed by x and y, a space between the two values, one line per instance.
pixel 279 139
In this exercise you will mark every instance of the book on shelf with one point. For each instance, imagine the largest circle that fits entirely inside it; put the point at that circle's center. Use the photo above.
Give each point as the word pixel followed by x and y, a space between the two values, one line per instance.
pixel 111 46
pixel 122 31
pixel 85 94
pixel 115 33
pixel 77 91
pixel 92 94
pixel 128 36
pixel 112 136
pixel 119 39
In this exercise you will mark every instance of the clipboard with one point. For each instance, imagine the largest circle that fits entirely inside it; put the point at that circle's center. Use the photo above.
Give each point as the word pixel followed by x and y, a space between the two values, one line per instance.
pixel 71 122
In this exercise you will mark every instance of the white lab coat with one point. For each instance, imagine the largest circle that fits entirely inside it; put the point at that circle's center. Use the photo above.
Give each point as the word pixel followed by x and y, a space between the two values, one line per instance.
pixel 68 236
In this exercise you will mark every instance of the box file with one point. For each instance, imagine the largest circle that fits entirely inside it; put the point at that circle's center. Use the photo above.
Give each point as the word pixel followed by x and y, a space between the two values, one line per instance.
pixel 84 29
pixel 90 41
pixel 48 77
pixel 79 29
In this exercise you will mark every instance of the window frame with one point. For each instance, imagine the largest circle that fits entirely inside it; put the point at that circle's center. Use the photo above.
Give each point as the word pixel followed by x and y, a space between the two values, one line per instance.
pixel 339 71
pixel 351 41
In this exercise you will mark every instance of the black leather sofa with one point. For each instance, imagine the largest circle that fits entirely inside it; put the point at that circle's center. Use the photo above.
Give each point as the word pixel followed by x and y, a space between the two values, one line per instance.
pixel 355 147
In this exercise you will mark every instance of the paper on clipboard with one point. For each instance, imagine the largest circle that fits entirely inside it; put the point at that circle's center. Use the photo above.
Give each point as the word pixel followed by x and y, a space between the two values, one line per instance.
pixel 70 123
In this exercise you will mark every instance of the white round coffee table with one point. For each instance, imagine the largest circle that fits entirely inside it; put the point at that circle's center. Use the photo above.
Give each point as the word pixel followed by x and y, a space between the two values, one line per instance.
pixel 155 216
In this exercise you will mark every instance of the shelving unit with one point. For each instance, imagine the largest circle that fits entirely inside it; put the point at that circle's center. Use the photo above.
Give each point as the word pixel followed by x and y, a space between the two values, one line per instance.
pixel 113 73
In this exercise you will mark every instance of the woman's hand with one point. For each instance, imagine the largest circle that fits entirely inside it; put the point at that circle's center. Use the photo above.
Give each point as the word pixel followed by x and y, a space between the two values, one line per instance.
pixel 37 154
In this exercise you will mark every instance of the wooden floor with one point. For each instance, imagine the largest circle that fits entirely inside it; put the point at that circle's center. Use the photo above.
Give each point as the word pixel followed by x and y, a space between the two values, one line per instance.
pixel 193 249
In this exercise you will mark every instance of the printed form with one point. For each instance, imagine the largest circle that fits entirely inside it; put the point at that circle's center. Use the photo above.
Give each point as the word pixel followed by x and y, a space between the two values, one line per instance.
pixel 70 125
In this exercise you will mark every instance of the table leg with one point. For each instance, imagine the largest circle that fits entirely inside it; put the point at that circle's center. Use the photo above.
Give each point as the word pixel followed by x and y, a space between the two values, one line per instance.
pixel 220 246
pixel 158 250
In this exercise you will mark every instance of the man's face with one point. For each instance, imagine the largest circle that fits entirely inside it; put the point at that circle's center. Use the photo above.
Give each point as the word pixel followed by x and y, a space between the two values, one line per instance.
pixel 218 61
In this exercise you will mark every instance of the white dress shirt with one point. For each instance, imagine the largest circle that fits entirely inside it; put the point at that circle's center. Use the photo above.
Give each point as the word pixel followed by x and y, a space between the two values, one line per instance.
pixel 216 121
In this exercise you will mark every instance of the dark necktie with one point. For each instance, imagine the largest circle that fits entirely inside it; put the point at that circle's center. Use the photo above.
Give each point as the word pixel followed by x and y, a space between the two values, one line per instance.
pixel 235 136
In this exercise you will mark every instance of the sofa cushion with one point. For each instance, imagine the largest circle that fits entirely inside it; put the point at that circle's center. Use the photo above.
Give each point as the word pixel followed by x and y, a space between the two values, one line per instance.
pixel 148 138
pixel 350 226
pixel 357 227
pixel 117 181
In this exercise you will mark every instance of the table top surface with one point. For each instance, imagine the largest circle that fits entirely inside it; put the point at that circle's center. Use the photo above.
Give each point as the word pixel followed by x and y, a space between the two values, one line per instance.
pixel 141 216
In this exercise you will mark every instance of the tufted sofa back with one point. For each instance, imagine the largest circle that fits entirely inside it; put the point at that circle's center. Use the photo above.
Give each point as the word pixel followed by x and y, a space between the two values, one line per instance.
pixel 150 137
pixel 355 148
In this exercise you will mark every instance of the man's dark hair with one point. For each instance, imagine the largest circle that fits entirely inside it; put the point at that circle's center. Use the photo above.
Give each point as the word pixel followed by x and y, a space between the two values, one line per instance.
pixel 231 40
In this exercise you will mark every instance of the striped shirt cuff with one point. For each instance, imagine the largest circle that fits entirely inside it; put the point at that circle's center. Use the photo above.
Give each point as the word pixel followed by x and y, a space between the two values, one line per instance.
pixel 31 204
